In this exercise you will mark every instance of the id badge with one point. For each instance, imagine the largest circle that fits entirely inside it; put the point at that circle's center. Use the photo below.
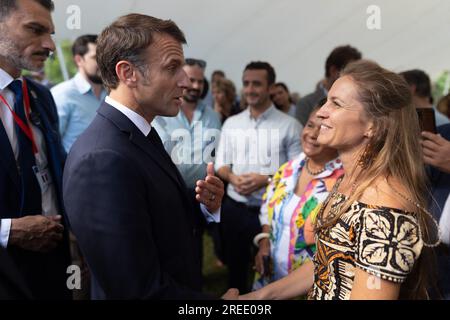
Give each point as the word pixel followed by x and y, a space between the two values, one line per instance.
pixel 43 177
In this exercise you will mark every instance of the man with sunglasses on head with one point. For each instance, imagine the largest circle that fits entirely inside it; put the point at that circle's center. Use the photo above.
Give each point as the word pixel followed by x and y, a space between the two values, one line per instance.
pixel 192 136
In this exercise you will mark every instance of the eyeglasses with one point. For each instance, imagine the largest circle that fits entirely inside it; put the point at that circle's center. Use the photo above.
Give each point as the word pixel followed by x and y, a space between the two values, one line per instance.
pixel 198 62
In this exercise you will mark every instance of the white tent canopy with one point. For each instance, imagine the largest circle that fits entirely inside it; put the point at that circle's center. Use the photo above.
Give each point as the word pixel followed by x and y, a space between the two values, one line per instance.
pixel 295 36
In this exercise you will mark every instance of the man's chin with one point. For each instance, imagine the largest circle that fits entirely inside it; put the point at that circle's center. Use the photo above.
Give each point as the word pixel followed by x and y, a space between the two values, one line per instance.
pixel 172 111
pixel 191 99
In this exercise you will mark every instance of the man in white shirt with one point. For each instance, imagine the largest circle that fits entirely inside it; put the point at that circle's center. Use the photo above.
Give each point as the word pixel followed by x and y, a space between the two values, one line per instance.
pixel 253 145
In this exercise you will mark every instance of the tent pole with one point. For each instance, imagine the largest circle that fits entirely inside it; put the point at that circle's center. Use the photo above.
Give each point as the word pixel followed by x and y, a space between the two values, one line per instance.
pixel 62 61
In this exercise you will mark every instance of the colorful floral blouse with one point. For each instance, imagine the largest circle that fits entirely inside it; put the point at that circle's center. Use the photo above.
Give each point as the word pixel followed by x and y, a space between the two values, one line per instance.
pixel 286 214
pixel 384 242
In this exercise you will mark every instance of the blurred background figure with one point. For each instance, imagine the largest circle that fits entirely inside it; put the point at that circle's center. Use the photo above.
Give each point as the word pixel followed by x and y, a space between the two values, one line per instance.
pixel 443 105
pixel 248 174
pixel 335 62
pixel 436 150
pixel 208 94
pixel 420 85
pixel 295 97
pixel 224 94
pixel 281 98
pixel 79 98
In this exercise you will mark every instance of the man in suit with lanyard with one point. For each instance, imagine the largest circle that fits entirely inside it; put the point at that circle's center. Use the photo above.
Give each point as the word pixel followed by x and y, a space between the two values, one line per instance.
pixel 31 209
pixel 125 199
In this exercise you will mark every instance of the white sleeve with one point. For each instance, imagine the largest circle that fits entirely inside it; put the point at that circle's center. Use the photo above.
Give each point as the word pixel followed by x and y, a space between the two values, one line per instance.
pixel 444 222
pixel 223 150
pixel 5 227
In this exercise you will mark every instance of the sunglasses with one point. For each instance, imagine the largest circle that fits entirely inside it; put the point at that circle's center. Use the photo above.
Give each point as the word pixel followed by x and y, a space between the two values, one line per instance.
pixel 198 62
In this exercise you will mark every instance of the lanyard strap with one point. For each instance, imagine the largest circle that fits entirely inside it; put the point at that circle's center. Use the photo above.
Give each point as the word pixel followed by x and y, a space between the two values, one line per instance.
pixel 24 126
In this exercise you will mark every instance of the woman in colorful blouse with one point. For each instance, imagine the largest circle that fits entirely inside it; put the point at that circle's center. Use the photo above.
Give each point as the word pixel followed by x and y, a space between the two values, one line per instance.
pixel 372 233
pixel 291 200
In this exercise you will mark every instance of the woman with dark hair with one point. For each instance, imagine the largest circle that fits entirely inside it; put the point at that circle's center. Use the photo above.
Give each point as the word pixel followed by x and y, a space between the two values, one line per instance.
pixel 224 95
pixel 373 233
pixel 282 99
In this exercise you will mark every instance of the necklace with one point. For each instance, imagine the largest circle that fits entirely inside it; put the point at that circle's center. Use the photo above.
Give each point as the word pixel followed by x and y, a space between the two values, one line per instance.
pixel 333 195
pixel 313 173
pixel 436 224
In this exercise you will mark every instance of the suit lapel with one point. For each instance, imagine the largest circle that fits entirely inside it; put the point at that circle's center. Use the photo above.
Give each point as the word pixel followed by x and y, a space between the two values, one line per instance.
pixel 7 159
pixel 138 139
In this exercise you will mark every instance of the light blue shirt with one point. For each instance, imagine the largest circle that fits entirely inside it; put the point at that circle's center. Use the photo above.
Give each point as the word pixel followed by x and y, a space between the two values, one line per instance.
pixel 262 145
pixel 191 145
pixel 77 106
pixel 440 118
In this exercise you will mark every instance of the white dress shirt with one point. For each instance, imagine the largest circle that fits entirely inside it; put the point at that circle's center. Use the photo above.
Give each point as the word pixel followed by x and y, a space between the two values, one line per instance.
pixel 49 200
pixel 145 128
pixel 444 222
pixel 262 145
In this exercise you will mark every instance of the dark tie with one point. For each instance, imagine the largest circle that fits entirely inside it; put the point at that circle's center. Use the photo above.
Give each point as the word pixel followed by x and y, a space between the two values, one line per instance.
pixel 156 141
pixel 31 202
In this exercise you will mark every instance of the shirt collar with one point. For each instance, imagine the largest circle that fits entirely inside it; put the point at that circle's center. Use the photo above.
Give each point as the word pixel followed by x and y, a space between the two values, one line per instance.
pixel 5 79
pixel 81 83
pixel 264 115
pixel 138 120
pixel 199 109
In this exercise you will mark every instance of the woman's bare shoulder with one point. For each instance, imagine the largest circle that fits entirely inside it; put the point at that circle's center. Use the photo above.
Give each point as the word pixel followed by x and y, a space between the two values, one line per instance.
pixel 387 194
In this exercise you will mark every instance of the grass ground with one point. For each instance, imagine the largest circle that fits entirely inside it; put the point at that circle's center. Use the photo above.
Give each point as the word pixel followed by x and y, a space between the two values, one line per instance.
pixel 215 277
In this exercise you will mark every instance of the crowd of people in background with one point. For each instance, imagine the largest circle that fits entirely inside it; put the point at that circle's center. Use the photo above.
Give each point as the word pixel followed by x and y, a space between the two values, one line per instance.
pixel 131 161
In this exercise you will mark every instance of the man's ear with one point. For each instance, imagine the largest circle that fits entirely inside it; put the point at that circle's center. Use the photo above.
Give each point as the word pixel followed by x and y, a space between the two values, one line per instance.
pixel 126 73
pixel 77 59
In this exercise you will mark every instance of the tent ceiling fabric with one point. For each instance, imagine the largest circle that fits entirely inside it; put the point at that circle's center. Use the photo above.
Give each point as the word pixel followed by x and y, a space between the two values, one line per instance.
pixel 295 36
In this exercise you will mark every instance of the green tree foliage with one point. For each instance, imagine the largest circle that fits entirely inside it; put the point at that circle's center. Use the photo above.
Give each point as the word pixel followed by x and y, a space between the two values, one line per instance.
pixel 441 86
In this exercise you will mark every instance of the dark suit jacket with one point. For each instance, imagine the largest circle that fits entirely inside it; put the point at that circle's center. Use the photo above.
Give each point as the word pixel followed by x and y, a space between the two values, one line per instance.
pixel 128 208
pixel 45 274
pixel 440 183
pixel 12 284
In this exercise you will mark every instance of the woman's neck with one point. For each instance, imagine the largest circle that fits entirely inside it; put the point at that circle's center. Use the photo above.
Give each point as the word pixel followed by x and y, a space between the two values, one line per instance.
pixel 352 169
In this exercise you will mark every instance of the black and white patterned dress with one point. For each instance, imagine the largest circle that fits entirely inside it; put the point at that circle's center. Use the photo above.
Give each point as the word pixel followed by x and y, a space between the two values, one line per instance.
pixel 382 241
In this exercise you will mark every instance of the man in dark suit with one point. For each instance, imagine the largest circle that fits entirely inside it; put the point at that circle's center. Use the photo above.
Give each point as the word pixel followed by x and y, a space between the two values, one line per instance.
pixel 125 199
pixel 436 150
pixel 31 208
pixel 12 284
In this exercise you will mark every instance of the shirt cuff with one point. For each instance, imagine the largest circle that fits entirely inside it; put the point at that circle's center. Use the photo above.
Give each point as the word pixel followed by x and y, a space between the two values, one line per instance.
pixel 210 217
pixel 5 227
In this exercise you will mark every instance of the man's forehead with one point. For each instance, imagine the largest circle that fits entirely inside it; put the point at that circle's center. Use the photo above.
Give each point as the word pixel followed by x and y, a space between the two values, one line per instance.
pixel 254 74
pixel 31 12
pixel 167 49
pixel 193 69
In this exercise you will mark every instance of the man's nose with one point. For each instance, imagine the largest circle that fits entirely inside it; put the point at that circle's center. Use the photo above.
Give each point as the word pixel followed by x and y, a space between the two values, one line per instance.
pixel 184 81
pixel 48 43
